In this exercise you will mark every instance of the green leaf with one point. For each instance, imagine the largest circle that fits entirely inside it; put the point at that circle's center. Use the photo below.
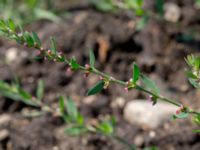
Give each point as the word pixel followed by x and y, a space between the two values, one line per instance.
pixel 45 14
pixel 29 39
pixel 193 61
pixel 73 63
pixel 15 93
pixel 92 58
pixel 105 128
pixel 139 11
pixel 151 148
pixel 40 90
pixel 149 84
pixel 136 73
pixel 37 39
pixel 74 131
pixel 104 5
pixel 160 7
pixel 53 46
pixel 71 109
pixel 80 119
pixel 194 83
pixel 196 131
pixel 3 25
pixel 155 100
pixel 61 58
pixel 96 89
pixel 191 75
pixel 25 95
pixel 196 119
pixel 62 104
pixel 182 115
pixel 11 25
pixel 142 22
pixel 113 121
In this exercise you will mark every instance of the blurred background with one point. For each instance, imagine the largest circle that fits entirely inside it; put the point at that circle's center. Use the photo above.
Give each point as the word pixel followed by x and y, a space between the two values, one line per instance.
pixel 156 34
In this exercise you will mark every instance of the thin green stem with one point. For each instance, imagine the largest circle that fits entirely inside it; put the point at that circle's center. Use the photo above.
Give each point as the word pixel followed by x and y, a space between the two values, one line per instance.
pixel 158 96
pixel 107 77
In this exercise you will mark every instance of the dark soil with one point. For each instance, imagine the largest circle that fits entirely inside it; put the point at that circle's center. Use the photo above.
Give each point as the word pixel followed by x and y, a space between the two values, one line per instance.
pixel 159 49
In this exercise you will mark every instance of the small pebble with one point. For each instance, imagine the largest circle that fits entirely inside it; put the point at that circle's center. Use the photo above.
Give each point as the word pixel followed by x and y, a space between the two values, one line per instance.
pixel 4 134
pixel 172 12
pixel 4 119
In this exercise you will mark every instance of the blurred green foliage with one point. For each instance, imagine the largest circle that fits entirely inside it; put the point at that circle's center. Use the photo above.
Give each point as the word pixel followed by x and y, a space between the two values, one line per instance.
pixel 27 11
pixel 114 5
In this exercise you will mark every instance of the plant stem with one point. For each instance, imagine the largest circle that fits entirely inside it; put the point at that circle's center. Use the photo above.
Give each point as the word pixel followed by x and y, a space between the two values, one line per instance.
pixel 22 40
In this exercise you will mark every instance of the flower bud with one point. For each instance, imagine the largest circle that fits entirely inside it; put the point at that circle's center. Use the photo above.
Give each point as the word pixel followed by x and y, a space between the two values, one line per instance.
pixel 33 98
pixel 150 98
pixel 126 89
pixel 100 78
pixel 181 107
pixel 49 52
pixel 69 71
pixel 87 66
pixel 178 111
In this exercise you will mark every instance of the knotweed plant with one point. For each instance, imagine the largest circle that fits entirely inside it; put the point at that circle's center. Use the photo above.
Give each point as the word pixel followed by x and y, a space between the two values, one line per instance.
pixel 75 121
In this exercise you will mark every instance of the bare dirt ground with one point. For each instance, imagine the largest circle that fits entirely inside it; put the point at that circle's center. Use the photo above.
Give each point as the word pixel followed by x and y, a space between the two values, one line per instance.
pixel 159 50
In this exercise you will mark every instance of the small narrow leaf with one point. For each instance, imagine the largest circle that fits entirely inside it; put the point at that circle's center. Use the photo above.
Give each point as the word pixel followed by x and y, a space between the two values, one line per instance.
pixel 3 25
pixel 92 58
pixel 73 63
pixel 14 92
pixel 40 90
pixel 96 89
pixel 29 39
pixel 71 109
pixel 148 83
pixel 53 46
pixel 160 7
pixel 11 25
pixel 191 75
pixel 104 5
pixel 74 131
pixel 142 22
pixel 26 96
pixel 196 131
pixel 45 14
pixel 182 115
pixel 136 73
pixel 194 83
pixel 80 119
pixel 36 39
pixel 62 104
pixel 196 119
pixel 106 128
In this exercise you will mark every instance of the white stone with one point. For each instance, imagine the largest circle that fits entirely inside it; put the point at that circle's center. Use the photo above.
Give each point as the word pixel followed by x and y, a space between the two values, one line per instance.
pixel 142 113
pixel 172 12
pixel 138 140
pixel 4 119
pixel 4 134
pixel 11 54
pixel 118 102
